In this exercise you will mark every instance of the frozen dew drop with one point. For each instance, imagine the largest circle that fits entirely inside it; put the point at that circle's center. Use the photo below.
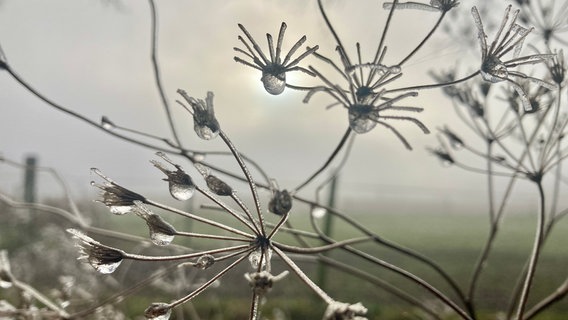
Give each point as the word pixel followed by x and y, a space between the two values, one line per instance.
pixel 120 210
pixel 318 212
pixel 182 191
pixel 205 132
pixel 218 186
pixel 205 261
pixel 274 83
pixel 359 119
pixel 199 157
pixel 161 239
pixel 394 69
pixel 5 282
pixel 254 258
pixel 158 311
pixel 107 124
pixel 104 267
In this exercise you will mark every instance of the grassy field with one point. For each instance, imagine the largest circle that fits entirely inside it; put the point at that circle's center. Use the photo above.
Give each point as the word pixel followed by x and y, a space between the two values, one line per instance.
pixel 453 241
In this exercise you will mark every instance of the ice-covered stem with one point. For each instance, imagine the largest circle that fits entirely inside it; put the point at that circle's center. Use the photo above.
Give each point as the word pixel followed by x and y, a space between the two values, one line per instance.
pixel 156 69
pixel 198 218
pixel 327 163
pixel 248 176
pixel 320 249
pixel 435 85
pixel 426 38
pixel 537 245
pixel 249 223
pixel 76 115
pixel 357 272
pixel 545 303
pixel 394 246
pixel 324 296
pixel 406 274
pixel 207 284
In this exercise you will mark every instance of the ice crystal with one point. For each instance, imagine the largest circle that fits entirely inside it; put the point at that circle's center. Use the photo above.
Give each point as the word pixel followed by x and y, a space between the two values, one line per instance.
pixel 180 184
pixel 158 311
pixel 204 122
pixel 161 232
pixel 119 200
pixel 345 311
pixel 103 258
pixel 273 69
pixel 205 261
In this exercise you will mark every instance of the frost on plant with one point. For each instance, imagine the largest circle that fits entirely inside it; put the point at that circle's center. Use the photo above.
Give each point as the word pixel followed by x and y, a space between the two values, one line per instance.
pixel 345 311
pixel 103 258
pixel 118 199
pixel 180 183
pixel 273 69
pixel 510 37
pixel 434 5
pixel 204 122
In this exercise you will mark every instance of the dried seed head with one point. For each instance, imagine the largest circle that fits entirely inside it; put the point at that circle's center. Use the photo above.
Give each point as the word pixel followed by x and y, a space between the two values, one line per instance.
pixel 118 199
pixel 180 184
pixel 262 282
pixel 103 258
pixel 158 311
pixel 161 232
pixel 204 122
pixel 280 203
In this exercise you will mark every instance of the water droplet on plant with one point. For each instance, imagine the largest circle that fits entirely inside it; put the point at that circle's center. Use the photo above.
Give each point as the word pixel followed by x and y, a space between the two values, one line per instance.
pixel 205 132
pixel 254 258
pixel 158 311
pixel 199 157
pixel 161 239
pixel 102 267
pixel 274 84
pixel 120 210
pixel 182 191
pixel 107 124
pixel 359 118
pixel 218 186
pixel 5 283
pixel 318 212
pixel 394 69
pixel 205 261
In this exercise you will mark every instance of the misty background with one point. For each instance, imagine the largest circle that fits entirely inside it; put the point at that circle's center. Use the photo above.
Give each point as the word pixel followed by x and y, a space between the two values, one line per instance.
pixel 94 58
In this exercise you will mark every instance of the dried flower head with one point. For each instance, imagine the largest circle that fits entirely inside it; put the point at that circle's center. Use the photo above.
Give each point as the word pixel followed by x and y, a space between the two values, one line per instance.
pixel 273 70
pixel 205 261
pixel 345 311
pixel 161 232
pixel 180 183
pixel 557 68
pixel 281 201
pixel 158 311
pixel 204 122
pixel 103 258
pixel 509 37
pixel 118 199
pixel 262 282
pixel 216 185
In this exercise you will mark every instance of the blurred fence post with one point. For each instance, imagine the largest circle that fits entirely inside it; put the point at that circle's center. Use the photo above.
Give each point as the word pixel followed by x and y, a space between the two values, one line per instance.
pixel 30 179
pixel 327 230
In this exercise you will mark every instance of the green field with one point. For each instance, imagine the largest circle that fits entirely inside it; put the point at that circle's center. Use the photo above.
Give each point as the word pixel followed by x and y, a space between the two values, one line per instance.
pixel 453 241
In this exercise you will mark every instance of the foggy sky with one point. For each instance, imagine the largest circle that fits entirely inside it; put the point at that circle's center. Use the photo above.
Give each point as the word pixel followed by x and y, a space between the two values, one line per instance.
pixel 94 58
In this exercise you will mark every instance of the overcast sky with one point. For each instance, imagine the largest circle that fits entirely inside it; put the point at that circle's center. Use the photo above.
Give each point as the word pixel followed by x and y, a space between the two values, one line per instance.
pixel 94 57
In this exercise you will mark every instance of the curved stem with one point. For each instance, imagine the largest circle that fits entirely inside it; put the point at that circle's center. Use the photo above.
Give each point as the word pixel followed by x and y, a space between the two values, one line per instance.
pixel 433 86
pixel 157 77
pixel 423 40
pixel 248 176
pixel 534 255
pixel 326 164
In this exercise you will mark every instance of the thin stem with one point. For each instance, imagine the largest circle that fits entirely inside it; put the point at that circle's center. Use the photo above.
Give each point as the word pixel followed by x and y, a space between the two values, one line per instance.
pixel 40 297
pixel 555 297
pixel 423 40
pixel 534 255
pixel 139 257
pixel 326 164
pixel 436 85
pixel 312 250
pixel 206 284
pixel 248 176
pixel 200 219
pixel 325 297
